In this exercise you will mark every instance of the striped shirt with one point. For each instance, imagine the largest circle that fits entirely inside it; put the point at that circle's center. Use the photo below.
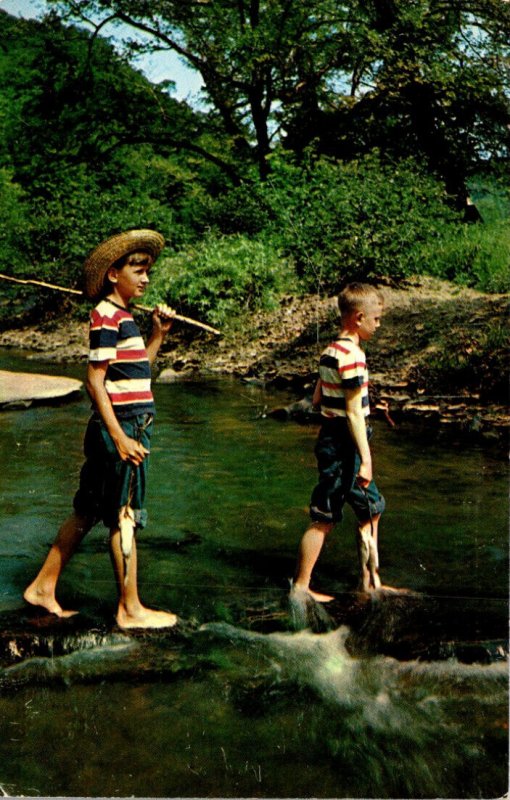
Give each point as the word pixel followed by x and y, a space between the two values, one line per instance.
pixel 115 338
pixel 342 366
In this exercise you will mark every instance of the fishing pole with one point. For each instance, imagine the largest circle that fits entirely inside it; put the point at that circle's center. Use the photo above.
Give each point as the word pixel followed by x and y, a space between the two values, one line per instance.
pixel 56 288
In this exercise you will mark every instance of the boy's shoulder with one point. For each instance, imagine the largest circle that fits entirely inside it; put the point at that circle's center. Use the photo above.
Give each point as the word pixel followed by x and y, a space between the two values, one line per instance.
pixel 107 310
pixel 344 347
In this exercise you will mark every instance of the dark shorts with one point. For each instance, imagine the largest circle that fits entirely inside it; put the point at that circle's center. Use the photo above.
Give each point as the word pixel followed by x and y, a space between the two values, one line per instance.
pixel 338 462
pixel 106 482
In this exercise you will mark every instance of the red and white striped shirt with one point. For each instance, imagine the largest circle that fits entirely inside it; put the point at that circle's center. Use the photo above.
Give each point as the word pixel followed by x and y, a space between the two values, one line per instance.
pixel 115 338
pixel 342 366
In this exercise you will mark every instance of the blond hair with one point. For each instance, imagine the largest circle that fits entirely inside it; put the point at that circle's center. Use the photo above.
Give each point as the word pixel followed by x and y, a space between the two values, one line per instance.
pixel 354 296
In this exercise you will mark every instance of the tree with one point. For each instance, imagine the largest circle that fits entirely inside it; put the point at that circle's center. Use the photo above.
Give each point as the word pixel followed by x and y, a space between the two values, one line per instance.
pixel 87 146
pixel 251 55
pixel 85 103
pixel 409 77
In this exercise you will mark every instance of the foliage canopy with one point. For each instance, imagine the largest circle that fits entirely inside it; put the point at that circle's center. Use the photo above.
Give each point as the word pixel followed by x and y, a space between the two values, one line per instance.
pixel 335 141
pixel 410 77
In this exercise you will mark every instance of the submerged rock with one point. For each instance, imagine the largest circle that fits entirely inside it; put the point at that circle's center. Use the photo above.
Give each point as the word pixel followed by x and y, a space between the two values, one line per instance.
pixel 301 411
pixel 37 648
pixel 409 626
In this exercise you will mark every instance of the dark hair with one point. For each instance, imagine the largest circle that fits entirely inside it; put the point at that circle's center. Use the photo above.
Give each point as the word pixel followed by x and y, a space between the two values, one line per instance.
pixel 138 258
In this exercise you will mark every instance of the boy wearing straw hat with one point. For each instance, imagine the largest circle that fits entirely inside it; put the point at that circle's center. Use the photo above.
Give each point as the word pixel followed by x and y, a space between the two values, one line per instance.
pixel 113 477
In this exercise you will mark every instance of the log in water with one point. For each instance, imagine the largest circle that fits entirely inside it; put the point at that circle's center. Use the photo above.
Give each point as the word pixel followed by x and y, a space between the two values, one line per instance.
pixel 405 626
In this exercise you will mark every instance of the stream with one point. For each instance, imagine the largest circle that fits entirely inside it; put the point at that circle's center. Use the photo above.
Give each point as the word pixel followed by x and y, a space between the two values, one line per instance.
pixel 239 701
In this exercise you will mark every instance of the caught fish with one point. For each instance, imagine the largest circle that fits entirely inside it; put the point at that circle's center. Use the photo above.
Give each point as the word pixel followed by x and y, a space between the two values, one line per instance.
pixel 127 531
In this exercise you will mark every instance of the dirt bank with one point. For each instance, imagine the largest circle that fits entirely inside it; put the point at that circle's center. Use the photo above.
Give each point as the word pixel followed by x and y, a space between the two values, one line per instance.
pixel 281 347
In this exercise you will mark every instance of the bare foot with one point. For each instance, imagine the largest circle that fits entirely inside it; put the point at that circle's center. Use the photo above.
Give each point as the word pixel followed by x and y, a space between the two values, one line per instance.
pixel 383 588
pixel 145 618
pixel 317 596
pixel 38 598
pixel 393 589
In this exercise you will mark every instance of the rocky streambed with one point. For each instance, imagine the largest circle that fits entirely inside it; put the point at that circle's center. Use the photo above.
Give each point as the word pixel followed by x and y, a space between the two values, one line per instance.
pixel 426 322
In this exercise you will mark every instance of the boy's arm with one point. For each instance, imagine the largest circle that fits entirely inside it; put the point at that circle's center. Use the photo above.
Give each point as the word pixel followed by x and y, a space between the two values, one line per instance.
pixel 358 429
pixel 128 449
pixel 162 321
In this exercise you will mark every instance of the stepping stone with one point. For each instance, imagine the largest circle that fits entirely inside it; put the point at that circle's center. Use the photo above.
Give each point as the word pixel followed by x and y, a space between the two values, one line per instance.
pixel 21 389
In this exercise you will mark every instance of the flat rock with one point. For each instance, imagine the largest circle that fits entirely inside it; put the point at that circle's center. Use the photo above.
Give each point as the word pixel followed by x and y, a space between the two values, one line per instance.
pixel 21 389
pixel 170 375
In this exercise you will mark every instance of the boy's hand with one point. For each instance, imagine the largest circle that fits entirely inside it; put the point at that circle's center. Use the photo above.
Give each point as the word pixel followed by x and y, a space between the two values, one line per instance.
pixel 162 319
pixel 131 450
pixel 364 476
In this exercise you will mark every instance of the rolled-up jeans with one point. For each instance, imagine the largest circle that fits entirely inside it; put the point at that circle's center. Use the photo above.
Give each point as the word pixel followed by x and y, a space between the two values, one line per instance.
pixel 338 462
pixel 107 483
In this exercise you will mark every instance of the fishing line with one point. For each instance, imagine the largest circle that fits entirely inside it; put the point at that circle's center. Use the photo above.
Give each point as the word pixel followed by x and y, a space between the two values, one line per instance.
pixel 205 586
pixel 310 263
pixel 403 594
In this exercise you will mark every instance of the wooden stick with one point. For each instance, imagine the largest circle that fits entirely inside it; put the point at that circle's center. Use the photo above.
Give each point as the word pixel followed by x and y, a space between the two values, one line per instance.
pixel 40 283
pixel 385 410
pixel 32 282
pixel 181 318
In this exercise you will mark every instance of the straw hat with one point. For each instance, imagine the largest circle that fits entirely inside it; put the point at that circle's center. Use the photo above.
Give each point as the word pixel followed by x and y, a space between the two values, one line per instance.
pixel 100 260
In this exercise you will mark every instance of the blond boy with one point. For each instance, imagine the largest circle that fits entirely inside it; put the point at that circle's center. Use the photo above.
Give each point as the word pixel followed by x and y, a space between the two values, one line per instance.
pixel 343 452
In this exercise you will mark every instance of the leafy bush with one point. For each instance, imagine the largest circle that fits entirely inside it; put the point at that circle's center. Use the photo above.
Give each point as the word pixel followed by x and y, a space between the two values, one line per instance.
pixel 491 194
pixel 66 227
pixel 475 255
pixel 242 209
pixel 48 237
pixel 13 231
pixel 361 220
pixel 14 247
pixel 222 277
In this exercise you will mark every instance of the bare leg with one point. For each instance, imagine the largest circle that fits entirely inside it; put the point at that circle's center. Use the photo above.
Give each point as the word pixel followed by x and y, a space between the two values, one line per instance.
pixel 130 611
pixel 41 592
pixel 309 551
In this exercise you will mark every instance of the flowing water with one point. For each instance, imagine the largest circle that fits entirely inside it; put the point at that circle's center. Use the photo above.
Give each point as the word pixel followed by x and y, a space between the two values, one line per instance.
pixel 236 703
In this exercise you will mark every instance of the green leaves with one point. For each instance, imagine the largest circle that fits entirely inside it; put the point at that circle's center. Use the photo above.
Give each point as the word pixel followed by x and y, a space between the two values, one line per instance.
pixel 221 278
pixel 364 220
pixel 337 142
pixel 409 77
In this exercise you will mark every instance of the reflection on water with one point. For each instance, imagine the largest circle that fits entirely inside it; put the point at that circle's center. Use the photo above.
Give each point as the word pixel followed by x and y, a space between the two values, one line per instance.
pixel 225 708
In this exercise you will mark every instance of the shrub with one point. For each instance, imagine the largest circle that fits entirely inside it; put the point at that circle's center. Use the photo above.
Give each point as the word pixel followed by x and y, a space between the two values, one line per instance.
pixel 48 237
pixel 475 255
pixel 13 231
pixel 242 209
pixel 222 277
pixel 362 220
pixel 14 247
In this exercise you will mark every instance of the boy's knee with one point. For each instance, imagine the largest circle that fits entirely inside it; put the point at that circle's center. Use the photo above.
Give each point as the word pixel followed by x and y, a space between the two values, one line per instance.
pixel 324 527
pixel 82 522
pixel 368 522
